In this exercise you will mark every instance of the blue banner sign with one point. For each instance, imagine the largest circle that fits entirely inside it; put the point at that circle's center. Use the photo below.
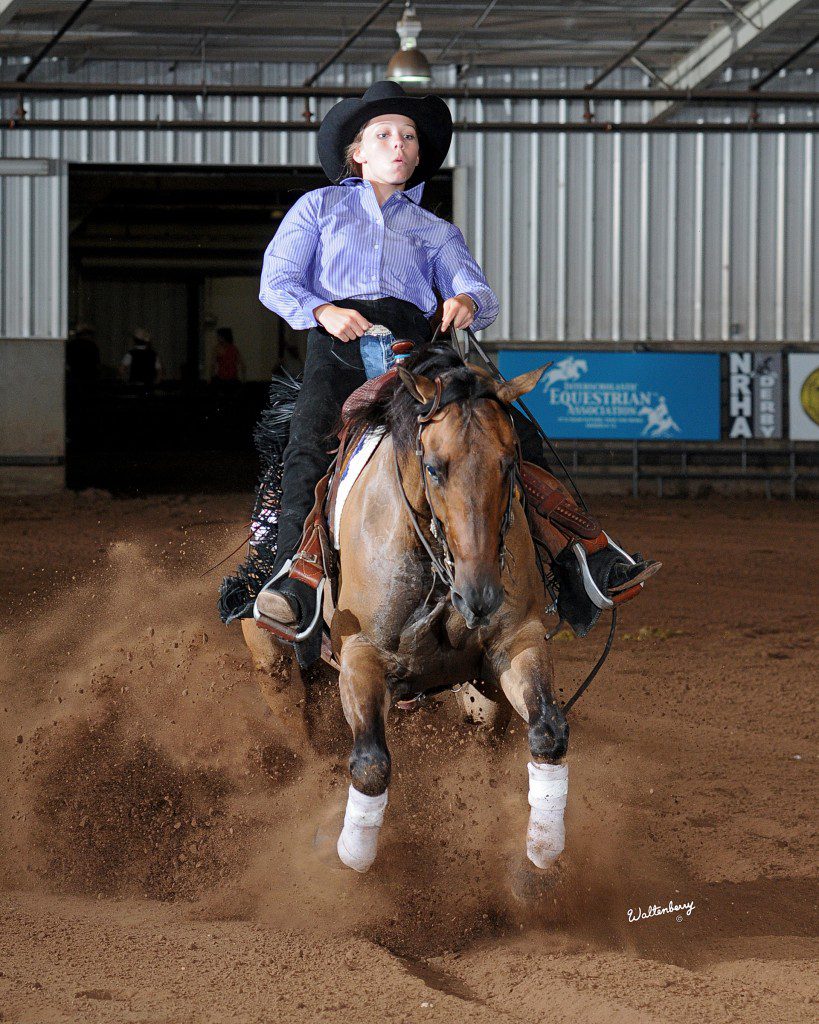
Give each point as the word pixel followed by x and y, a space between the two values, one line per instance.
pixel 644 396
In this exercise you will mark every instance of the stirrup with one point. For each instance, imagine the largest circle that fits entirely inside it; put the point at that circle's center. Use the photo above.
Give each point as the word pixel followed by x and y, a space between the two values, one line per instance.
pixel 281 629
pixel 593 592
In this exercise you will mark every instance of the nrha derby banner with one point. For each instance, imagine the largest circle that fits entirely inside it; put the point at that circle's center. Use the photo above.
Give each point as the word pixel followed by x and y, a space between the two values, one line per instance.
pixel 646 396
pixel 803 371
pixel 754 394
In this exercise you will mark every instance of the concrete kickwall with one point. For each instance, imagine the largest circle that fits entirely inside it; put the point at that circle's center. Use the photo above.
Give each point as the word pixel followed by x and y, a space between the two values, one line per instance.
pixel 32 415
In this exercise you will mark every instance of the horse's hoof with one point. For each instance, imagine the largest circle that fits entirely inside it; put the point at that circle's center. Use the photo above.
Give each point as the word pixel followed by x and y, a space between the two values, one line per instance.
pixel 527 884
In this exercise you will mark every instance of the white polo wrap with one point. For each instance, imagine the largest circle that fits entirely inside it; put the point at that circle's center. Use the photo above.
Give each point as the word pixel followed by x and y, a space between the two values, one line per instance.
pixel 358 842
pixel 548 792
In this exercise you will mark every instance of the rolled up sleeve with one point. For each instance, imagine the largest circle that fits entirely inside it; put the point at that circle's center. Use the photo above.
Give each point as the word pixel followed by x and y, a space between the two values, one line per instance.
pixel 287 262
pixel 455 272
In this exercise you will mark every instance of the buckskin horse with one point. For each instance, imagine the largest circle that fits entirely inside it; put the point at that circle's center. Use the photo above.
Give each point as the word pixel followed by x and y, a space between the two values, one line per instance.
pixel 439 584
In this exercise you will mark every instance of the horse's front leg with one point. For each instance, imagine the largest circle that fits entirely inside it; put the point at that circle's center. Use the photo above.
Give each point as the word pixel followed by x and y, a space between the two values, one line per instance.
pixel 524 669
pixel 364 700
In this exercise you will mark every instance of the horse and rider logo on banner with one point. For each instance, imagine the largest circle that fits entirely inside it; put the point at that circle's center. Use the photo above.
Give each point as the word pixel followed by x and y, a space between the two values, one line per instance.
pixel 624 395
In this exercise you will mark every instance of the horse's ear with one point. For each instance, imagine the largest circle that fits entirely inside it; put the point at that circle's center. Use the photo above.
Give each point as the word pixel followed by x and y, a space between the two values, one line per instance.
pixel 421 388
pixel 510 390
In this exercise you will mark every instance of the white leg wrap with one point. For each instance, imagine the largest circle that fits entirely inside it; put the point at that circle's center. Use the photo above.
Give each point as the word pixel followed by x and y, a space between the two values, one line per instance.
pixel 548 790
pixel 358 842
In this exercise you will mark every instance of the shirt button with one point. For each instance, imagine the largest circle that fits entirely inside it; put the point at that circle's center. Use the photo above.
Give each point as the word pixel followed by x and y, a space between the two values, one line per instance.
pixel 376 245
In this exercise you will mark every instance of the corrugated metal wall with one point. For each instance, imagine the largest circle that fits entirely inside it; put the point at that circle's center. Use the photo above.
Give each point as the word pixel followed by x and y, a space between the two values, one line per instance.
pixel 584 237
pixel 33 248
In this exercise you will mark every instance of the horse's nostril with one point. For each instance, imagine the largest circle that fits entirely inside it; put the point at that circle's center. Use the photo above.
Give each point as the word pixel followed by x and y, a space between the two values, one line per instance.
pixel 483 601
pixel 477 602
pixel 492 598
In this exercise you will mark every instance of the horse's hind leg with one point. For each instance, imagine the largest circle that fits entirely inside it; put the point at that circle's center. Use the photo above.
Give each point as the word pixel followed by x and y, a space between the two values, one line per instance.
pixel 280 682
pixel 525 674
pixel 364 700
pixel 267 655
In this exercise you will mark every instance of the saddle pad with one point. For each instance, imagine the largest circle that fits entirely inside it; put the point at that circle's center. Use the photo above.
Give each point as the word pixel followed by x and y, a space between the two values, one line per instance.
pixel 359 458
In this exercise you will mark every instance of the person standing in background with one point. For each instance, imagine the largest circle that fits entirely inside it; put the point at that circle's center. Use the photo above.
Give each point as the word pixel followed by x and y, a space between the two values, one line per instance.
pixel 226 364
pixel 82 358
pixel 140 366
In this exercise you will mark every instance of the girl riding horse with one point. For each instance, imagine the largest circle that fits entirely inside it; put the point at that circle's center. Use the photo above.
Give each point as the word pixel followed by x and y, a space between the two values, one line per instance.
pixel 358 264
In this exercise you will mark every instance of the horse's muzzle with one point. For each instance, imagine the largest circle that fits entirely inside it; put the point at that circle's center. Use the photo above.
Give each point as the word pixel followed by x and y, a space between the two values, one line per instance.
pixel 478 603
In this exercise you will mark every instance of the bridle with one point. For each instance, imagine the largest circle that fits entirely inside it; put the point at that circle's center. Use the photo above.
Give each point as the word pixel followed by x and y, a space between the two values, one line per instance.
pixel 444 567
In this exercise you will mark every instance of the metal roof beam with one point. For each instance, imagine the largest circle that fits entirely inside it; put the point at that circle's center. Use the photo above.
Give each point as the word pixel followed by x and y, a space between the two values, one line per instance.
pixel 723 45
pixel 602 75
pixel 8 8
pixel 351 38
pixel 711 97
pixel 18 125
pixel 57 36
pixel 785 63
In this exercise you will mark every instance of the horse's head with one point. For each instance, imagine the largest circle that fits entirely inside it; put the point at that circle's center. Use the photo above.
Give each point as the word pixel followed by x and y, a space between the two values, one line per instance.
pixel 468 457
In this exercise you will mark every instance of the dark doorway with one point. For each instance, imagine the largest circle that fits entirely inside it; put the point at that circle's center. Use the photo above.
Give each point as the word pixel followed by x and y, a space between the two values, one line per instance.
pixel 176 252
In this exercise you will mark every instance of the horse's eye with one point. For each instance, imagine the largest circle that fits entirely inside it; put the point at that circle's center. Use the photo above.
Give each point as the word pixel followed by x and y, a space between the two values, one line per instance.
pixel 433 473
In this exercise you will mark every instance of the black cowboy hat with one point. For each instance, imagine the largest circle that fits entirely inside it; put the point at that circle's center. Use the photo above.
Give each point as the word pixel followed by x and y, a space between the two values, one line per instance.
pixel 341 123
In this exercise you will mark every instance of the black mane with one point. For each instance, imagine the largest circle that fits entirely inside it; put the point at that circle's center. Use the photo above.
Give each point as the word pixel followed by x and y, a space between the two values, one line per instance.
pixel 398 410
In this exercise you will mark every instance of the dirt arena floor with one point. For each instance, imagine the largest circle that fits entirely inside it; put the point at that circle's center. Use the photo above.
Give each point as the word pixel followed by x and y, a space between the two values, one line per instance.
pixel 158 815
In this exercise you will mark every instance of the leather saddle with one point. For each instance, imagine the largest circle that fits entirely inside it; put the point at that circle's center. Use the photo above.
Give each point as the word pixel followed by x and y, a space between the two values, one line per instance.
pixel 315 557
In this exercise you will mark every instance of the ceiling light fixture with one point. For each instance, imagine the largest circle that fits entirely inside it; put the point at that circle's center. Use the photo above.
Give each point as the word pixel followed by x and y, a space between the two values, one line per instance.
pixel 408 65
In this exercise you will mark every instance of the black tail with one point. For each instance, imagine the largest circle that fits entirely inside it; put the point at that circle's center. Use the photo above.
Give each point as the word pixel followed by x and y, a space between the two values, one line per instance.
pixel 238 592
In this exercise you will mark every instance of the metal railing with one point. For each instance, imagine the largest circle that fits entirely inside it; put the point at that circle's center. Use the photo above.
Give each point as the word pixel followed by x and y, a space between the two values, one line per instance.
pixel 787 463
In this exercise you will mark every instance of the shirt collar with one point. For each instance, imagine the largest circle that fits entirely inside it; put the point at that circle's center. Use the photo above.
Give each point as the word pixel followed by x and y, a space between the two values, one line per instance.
pixel 413 194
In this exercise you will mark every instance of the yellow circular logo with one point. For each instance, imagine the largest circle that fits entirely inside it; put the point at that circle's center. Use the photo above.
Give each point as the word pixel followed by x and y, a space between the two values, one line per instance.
pixel 809 395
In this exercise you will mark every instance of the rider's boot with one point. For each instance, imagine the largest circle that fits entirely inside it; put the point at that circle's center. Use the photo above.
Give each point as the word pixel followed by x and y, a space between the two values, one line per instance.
pixel 289 605
pixel 591 570
pixel 289 602
pixel 282 600
pixel 274 604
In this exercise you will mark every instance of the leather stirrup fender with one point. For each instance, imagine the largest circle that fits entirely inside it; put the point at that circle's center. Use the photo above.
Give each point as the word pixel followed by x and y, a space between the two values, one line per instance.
pixel 315 558
pixel 551 501
pixel 311 563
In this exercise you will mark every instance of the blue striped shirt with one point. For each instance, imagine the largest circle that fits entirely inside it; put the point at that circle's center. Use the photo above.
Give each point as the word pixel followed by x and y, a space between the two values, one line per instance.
pixel 336 243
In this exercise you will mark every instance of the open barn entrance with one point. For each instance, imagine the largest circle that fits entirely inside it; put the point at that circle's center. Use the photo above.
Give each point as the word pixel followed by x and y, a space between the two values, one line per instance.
pixel 176 253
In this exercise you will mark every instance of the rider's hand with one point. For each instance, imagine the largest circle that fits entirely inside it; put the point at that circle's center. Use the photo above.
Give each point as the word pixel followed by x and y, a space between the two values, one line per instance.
pixel 344 324
pixel 459 311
